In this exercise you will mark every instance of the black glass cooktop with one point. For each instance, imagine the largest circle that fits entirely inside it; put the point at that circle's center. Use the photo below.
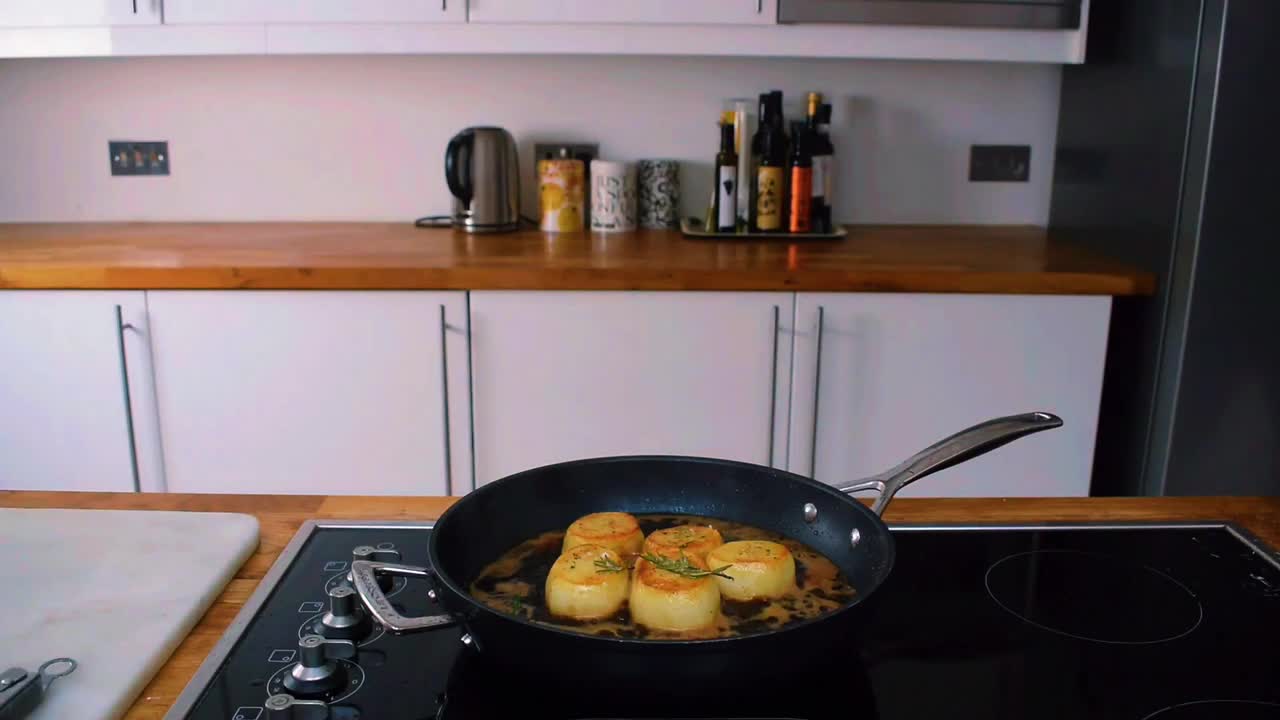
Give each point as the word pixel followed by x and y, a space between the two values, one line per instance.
pixel 1133 623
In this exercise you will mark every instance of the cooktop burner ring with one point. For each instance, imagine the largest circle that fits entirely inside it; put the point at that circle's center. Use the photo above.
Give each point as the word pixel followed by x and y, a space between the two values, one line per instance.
pixel 1185 613
pixel 355 681
pixel 1255 709
pixel 310 626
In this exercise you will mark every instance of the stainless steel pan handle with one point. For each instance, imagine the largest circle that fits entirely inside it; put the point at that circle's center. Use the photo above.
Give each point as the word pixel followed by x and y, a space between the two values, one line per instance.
pixel 964 445
pixel 364 575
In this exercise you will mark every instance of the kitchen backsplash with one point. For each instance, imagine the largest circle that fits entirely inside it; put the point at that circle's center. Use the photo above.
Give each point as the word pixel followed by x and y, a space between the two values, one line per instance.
pixel 363 138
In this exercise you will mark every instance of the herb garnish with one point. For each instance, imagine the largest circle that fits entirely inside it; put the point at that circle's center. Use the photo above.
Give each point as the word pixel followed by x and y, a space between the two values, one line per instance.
pixel 517 605
pixel 684 566
pixel 608 565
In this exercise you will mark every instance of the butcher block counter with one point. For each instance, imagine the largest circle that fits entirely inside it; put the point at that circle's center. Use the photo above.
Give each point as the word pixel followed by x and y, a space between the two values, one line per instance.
pixel 361 256
pixel 280 516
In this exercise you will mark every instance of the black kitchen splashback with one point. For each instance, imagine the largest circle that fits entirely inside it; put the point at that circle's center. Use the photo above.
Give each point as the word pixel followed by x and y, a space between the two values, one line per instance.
pixel 1097 622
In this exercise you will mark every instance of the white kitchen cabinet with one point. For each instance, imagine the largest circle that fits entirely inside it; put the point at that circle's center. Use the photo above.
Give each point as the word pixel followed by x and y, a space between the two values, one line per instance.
pixel 178 12
pixel 319 392
pixel 566 375
pixel 734 12
pixel 897 372
pixel 64 420
pixel 77 13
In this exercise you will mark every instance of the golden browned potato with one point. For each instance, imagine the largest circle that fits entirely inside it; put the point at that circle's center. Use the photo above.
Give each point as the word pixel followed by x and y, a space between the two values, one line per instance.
pixel 587 582
pixel 618 531
pixel 665 600
pixel 695 540
pixel 759 569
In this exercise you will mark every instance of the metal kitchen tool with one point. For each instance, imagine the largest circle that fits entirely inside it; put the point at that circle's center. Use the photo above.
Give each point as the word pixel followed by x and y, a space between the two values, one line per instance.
pixel 22 690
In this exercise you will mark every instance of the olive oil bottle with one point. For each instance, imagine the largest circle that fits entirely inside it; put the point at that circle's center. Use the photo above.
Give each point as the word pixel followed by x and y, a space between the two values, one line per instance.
pixel 726 180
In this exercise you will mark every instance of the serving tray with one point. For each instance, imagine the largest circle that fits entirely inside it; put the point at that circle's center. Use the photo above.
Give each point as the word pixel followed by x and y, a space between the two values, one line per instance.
pixel 692 228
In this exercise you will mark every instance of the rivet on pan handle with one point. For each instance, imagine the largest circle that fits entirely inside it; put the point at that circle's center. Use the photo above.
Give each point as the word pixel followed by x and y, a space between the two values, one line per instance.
pixel 953 450
pixel 364 575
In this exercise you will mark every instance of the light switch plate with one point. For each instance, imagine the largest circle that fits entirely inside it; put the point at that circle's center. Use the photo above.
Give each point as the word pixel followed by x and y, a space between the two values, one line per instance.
pixel 132 157
pixel 999 163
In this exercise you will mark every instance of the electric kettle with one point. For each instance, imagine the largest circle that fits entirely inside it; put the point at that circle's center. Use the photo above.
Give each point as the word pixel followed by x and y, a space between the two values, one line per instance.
pixel 482 171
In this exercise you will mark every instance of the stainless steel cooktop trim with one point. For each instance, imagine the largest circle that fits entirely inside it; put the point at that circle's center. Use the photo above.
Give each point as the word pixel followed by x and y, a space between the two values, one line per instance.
pixel 204 674
pixel 199 682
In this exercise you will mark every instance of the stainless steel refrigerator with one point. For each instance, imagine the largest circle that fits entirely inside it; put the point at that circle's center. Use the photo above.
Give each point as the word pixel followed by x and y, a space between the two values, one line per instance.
pixel 1168 157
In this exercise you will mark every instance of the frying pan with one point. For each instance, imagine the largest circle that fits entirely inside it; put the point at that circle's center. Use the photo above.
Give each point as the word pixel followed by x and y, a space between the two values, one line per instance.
pixel 487 522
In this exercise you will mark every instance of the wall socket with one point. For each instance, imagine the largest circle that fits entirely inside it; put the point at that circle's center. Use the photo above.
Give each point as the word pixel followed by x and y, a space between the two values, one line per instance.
pixel 131 157
pixel 999 163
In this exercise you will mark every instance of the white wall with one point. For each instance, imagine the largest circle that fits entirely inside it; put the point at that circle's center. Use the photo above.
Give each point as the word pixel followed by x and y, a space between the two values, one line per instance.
pixel 362 138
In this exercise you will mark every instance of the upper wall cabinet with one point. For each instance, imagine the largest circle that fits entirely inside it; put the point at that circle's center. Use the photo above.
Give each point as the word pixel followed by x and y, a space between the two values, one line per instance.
pixel 74 13
pixel 312 11
pixel 734 28
pixel 733 12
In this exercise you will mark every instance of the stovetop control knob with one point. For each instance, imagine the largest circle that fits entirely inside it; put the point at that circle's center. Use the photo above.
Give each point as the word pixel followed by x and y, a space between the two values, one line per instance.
pixel 317 671
pixel 286 707
pixel 373 554
pixel 346 619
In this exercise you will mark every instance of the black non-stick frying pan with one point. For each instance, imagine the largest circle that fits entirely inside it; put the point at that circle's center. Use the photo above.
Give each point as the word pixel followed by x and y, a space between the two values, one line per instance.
pixel 491 520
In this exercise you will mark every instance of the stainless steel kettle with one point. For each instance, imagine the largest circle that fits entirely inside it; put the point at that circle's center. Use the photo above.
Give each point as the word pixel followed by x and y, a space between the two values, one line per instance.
pixel 483 173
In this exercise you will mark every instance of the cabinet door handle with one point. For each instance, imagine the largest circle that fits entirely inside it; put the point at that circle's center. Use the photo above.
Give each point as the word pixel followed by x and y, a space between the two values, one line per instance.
pixel 773 385
pixel 817 393
pixel 121 326
pixel 471 387
pixel 444 394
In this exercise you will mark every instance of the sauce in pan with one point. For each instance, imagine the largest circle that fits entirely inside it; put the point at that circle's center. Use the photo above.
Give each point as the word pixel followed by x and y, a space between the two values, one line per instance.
pixel 515 582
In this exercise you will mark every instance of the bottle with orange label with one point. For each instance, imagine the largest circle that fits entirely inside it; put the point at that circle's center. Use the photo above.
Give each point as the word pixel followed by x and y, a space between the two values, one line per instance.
pixel 801 174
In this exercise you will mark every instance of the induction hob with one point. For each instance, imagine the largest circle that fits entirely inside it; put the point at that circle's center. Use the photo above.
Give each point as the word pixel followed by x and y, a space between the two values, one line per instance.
pixel 1133 622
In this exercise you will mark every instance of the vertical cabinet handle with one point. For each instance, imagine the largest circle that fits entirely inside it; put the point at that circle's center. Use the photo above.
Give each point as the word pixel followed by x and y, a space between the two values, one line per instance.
pixel 471 391
pixel 817 394
pixel 759 6
pixel 444 394
pixel 773 385
pixel 121 326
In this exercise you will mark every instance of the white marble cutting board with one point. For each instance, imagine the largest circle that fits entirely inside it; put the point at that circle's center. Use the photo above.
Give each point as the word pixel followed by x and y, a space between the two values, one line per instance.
pixel 115 589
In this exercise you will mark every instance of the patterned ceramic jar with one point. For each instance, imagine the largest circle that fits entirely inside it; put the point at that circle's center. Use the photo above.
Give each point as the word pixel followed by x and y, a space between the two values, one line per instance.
pixel 659 193
pixel 613 196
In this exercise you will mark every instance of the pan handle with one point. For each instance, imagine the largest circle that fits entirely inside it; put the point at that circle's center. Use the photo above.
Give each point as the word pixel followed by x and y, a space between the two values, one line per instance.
pixel 964 445
pixel 364 575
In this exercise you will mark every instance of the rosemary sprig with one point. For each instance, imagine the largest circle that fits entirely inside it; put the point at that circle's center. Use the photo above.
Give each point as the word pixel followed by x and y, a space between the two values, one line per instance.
pixel 684 566
pixel 608 565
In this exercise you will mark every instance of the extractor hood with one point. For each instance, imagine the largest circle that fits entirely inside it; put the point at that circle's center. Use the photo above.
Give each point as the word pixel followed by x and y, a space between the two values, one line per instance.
pixel 1026 14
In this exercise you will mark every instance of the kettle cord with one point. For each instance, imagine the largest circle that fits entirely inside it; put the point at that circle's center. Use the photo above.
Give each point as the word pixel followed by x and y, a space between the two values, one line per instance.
pixel 434 221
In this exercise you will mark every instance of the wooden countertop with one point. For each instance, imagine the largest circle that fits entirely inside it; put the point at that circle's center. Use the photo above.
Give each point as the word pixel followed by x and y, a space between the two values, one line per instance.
pixel 281 515
pixel 971 259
